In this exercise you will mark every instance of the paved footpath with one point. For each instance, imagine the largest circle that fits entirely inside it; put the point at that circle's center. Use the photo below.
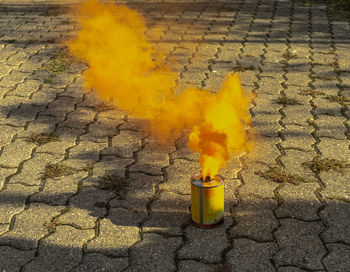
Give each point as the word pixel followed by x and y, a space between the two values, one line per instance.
pixel 84 188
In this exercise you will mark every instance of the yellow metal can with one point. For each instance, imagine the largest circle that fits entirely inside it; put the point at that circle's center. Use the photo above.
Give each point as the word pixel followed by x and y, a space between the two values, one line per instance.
pixel 207 203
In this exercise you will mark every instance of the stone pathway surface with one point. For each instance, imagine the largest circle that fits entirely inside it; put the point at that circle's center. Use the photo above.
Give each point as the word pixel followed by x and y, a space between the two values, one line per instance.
pixel 84 188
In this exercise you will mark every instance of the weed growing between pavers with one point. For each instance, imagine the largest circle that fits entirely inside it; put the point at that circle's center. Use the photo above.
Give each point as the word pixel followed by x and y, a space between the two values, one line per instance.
pixel 338 98
pixel 319 165
pixel 58 64
pixel 288 56
pixel 43 138
pixel 243 68
pixel 277 174
pixel 51 227
pixel 284 100
pixel 89 168
pixel 114 183
pixel 56 170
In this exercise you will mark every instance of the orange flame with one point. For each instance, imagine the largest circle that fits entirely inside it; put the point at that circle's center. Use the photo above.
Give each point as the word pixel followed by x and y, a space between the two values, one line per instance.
pixel 124 66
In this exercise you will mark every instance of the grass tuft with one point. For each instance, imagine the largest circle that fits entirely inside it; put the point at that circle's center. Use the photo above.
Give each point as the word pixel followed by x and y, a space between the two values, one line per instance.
pixel 43 138
pixel 56 170
pixel 51 227
pixel 113 183
pixel 241 68
pixel 318 165
pixel 288 56
pixel 284 100
pixel 277 174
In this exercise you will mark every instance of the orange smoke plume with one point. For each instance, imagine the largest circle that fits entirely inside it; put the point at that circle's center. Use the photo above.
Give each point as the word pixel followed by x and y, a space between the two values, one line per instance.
pixel 125 67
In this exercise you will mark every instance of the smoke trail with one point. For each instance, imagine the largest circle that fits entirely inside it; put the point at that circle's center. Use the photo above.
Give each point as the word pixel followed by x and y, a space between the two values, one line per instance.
pixel 125 67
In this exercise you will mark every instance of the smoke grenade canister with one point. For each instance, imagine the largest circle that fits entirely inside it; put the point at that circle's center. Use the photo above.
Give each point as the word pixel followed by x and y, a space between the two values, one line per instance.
pixel 207 203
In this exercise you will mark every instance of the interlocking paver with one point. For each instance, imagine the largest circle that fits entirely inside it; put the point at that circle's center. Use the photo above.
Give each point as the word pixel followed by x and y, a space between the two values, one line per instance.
pixel 117 233
pixel 240 258
pixel 255 219
pixel 280 49
pixel 14 200
pixel 145 256
pixel 198 238
pixel 99 262
pixel 299 201
pixel 30 226
pixel 300 244
pixel 190 265
pixel 62 249
pixel 335 216
pixel 12 259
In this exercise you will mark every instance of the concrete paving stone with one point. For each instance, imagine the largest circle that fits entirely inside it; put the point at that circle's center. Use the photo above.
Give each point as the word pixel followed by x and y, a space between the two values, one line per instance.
pixel 132 123
pixel 298 137
pixel 251 183
pixel 84 152
pixel 141 189
pixel 62 249
pixel 296 114
pixel 4 174
pixel 25 113
pixel 108 165
pixel 179 175
pixel 182 151
pixel 299 201
pixel 26 88
pixel 254 219
pixel 4 228
pixel 6 52
pixel 335 216
pixel 266 123
pixel 57 191
pixel 61 106
pixel 268 86
pixel 8 105
pixel 32 170
pixel 264 150
pixel 41 125
pixel 98 133
pixel 330 126
pixel 73 91
pixel 197 238
pixel 290 269
pixel 79 118
pixel 98 262
pixel 18 58
pixel 168 214
pixel 292 161
pixel 13 200
pixel 7 134
pixel 124 144
pixel 154 253
pixel 152 158
pixel 336 185
pixel 326 107
pixel 300 244
pixel 13 78
pixel 194 266
pixel 334 149
pixel 12 259
pixel 116 235
pixel 338 259
pixel 240 256
pixel 30 226
pixel 113 114
pixel 16 152
pixel 86 207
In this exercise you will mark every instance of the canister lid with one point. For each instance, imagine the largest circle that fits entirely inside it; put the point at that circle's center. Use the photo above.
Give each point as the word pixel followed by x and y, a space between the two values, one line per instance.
pixel 197 181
